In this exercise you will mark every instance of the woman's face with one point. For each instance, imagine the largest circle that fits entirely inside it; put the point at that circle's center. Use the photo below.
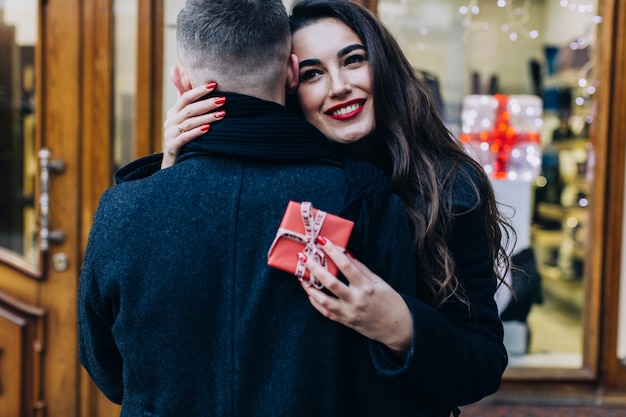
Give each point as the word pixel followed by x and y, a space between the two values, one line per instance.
pixel 335 80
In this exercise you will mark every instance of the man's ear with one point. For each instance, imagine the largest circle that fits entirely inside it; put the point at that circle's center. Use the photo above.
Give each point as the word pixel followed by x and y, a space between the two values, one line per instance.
pixel 293 74
pixel 178 75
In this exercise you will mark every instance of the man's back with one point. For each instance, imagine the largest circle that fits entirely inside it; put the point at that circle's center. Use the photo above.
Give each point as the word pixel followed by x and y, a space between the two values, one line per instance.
pixel 179 312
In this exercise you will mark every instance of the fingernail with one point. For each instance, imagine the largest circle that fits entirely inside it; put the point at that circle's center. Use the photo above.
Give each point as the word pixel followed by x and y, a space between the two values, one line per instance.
pixel 302 257
pixel 219 114
pixel 321 240
pixel 220 100
pixel 348 253
pixel 204 128
pixel 210 85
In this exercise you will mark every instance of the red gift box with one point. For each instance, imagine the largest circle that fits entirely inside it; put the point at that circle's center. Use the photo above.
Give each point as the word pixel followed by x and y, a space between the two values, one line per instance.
pixel 298 230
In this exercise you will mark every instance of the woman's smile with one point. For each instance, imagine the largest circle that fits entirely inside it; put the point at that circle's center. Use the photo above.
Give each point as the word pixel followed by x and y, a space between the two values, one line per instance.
pixel 347 110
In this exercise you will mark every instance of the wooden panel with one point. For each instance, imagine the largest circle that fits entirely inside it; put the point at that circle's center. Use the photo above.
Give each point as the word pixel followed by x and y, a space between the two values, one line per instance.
pixel 149 120
pixel 18 277
pixel 97 91
pixel 96 151
pixel 21 345
pixel 11 383
pixel 62 110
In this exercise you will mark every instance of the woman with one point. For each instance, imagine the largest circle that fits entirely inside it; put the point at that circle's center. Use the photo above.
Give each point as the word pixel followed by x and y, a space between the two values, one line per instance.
pixel 357 87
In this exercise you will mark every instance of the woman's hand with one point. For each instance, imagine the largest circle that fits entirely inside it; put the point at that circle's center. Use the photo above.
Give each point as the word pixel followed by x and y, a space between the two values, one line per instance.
pixel 188 118
pixel 368 304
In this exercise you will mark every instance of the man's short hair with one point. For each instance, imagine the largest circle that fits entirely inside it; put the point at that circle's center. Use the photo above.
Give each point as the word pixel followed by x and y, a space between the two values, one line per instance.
pixel 239 41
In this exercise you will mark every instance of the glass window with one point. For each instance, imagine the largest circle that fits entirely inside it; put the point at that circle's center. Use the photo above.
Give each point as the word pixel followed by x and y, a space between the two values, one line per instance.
pixel 525 66
pixel 18 155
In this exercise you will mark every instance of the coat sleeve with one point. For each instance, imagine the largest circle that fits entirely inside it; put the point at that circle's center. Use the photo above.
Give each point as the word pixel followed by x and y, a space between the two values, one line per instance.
pixel 458 355
pixel 97 350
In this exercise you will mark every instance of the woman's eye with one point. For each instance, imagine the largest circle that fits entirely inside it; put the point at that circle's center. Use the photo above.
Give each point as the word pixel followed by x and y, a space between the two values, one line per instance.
pixel 356 59
pixel 309 74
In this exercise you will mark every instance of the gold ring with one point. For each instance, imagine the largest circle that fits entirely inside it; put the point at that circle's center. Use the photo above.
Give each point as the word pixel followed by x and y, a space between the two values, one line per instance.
pixel 180 128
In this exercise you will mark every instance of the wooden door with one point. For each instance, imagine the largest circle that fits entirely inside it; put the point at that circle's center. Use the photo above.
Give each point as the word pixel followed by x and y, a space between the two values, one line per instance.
pixel 54 163
pixel 37 320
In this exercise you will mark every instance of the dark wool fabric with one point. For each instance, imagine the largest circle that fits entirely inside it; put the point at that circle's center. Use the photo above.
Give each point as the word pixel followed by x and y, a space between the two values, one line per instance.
pixel 179 314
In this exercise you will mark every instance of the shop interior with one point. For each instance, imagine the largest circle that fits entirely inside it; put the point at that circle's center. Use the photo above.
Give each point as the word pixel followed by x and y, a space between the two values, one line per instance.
pixel 539 56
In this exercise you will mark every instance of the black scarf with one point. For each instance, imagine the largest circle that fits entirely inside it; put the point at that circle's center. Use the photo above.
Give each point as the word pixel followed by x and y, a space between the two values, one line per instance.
pixel 253 129
pixel 262 130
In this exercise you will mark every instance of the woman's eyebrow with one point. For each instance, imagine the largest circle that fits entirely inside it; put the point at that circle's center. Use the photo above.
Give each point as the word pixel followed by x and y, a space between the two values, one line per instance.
pixel 346 50
pixel 342 52
pixel 309 62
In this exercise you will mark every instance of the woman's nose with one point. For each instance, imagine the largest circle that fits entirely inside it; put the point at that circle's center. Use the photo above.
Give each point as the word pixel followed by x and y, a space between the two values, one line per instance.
pixel 339 85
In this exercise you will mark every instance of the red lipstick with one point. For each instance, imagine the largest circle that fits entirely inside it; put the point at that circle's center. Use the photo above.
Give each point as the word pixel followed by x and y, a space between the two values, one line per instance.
pixel 346 110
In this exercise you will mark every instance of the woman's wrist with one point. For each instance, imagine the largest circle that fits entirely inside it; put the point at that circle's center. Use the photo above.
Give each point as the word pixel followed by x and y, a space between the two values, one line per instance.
pixel 400 337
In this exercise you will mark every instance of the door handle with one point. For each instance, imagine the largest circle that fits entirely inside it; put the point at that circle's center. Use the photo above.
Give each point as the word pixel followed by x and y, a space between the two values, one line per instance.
pixel 47 167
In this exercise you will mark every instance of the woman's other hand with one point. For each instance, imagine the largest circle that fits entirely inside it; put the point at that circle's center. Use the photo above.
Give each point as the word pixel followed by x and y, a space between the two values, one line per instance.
pixel 367 304
pixel 188 118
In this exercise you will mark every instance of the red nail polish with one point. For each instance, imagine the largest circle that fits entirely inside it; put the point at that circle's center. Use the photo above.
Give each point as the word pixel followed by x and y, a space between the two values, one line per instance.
pixel 210 86
pixel 204 128
pixel 321 240
pixel 220 100
pixel 219 114
pixel 349 254
pixel 302 257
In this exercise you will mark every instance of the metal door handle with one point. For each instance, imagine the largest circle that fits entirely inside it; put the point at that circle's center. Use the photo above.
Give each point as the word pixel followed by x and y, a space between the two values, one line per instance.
pixel 46 167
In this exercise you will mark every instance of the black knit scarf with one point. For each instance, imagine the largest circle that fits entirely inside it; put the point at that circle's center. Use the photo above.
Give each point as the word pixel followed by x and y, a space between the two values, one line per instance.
pixel 262 130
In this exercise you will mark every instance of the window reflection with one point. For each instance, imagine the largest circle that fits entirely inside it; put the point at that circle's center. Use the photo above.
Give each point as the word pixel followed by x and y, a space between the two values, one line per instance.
pixel 471 50
pixel 18 35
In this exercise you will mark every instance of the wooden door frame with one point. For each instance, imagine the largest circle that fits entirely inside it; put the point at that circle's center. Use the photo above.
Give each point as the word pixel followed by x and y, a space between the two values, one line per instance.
pixel 612 117
pixel 149 103
pixel 58 82
pixel 96 152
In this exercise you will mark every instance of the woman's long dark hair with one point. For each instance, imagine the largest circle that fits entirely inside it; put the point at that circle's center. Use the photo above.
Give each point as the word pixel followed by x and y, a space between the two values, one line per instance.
pixel 423 158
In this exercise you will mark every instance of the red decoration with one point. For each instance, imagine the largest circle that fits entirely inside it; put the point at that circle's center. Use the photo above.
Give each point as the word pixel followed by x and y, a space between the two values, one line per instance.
pixel 493 147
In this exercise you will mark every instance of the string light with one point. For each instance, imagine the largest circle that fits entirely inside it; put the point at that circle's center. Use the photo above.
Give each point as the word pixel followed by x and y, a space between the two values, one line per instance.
pixel 517 18
pixel 397 13
pixel 469 11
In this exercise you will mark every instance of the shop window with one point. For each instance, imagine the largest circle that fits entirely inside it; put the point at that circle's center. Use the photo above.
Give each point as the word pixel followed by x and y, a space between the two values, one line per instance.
pixel 485 59
pixel 18 117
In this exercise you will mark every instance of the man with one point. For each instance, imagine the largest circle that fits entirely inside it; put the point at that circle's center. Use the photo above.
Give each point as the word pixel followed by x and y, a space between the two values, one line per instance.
pixel 179 314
